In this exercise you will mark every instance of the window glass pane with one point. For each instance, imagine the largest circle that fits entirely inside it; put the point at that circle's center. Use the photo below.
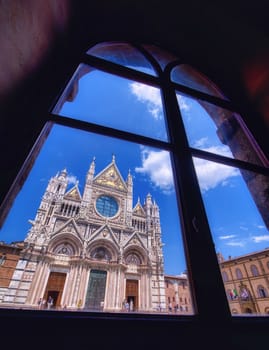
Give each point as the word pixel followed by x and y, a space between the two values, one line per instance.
pixel 112 101
pixel 63 220
pixel 236 203
pixel 123 54
pixel 186 75
pixel 162 57
pixel 217 130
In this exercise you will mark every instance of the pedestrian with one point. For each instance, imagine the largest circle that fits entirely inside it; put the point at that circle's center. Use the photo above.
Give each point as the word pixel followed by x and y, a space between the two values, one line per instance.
pixel 127 306
pixel 170 307
pixel 50 302
pixel 131 305
pixel 43 305
pixel 39 303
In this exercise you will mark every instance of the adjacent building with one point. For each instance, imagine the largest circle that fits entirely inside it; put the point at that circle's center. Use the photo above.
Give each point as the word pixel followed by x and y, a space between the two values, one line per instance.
pixel 9 256
pixel 246 281
pixel 178 295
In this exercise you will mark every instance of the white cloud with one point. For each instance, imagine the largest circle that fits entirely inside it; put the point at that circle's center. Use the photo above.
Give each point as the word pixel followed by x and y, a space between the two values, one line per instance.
pixel 72 180
pixel 258 239
pixel 201 142
pixel 158 167
pixel 184 106
pixel 149 95
pixel 236 243
pixel 152 97
pixel 221 150
pixel 227 237
pixel 212 174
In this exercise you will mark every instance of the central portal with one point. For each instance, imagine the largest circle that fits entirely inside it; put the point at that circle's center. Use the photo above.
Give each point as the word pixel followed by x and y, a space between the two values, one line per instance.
pixel 132 294
pixel 96 290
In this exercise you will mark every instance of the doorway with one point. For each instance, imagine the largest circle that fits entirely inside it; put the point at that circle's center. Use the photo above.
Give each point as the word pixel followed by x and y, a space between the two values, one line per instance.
pixel 131 294
pixel 55 288
pixel 96 290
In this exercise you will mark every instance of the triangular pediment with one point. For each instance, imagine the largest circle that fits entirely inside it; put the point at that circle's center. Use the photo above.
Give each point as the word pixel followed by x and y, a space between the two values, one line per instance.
pixel 68 227
pixel 73 194
pixel 111 177
pixel 139 211
pixel 135 240
pixel 104 233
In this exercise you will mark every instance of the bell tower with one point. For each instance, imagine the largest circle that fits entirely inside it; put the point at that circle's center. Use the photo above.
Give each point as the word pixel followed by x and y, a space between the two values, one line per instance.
pixel 49 204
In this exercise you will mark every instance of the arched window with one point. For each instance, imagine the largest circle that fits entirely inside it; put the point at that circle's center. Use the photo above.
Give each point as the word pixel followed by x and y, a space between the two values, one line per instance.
pixel 225 276
pixel 254 270
pixel 238 273
pixel 182 137
pixel 262 292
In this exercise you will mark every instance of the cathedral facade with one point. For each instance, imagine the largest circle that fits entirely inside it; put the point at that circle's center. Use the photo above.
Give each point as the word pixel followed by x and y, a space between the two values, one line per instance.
pixel 93 250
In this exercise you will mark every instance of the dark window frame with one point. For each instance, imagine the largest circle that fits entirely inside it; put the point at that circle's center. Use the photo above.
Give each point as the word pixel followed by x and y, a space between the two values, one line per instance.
pixel 204 274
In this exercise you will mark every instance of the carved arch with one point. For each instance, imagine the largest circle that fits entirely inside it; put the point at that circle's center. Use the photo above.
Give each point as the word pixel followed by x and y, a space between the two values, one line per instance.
pixel 66 244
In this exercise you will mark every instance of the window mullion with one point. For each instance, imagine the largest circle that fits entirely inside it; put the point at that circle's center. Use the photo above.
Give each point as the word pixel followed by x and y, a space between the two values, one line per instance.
pixel 119 70
pixel 108 131
pixel 203 270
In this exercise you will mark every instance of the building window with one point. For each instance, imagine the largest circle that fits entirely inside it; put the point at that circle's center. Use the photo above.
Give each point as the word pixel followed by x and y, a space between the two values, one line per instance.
pixel 183 138
pixel 262 292
pixel 238 274
pixel 254 270
pixel 107 206
pixel 225 276
pixel 2 259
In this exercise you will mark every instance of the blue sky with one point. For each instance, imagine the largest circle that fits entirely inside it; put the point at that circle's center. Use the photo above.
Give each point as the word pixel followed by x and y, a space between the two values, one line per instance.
pixel 235 223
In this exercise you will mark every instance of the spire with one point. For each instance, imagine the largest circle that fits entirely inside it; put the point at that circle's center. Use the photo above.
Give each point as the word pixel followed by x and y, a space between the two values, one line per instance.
pixel 92 166
pixel 88 185
pixel 91 170
pixel 148 199
pixel 63 174
pixel 129 178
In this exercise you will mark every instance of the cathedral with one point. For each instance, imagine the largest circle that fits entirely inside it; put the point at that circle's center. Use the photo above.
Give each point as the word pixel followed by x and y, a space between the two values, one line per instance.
pixel 92 250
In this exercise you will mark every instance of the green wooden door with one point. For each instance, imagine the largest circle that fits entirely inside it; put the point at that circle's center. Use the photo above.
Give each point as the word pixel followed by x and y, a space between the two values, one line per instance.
pixel 96 290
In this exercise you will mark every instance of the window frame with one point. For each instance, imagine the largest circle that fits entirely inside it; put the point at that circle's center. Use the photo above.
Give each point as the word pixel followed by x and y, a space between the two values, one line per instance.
pixel 207 288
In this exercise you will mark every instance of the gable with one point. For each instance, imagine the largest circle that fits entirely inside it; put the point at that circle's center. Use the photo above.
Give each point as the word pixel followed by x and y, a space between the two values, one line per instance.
pixel 110 177
pixel 134 240
pixel 104 233
pixel 73 195
pixel 139 211
pixel 68 226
